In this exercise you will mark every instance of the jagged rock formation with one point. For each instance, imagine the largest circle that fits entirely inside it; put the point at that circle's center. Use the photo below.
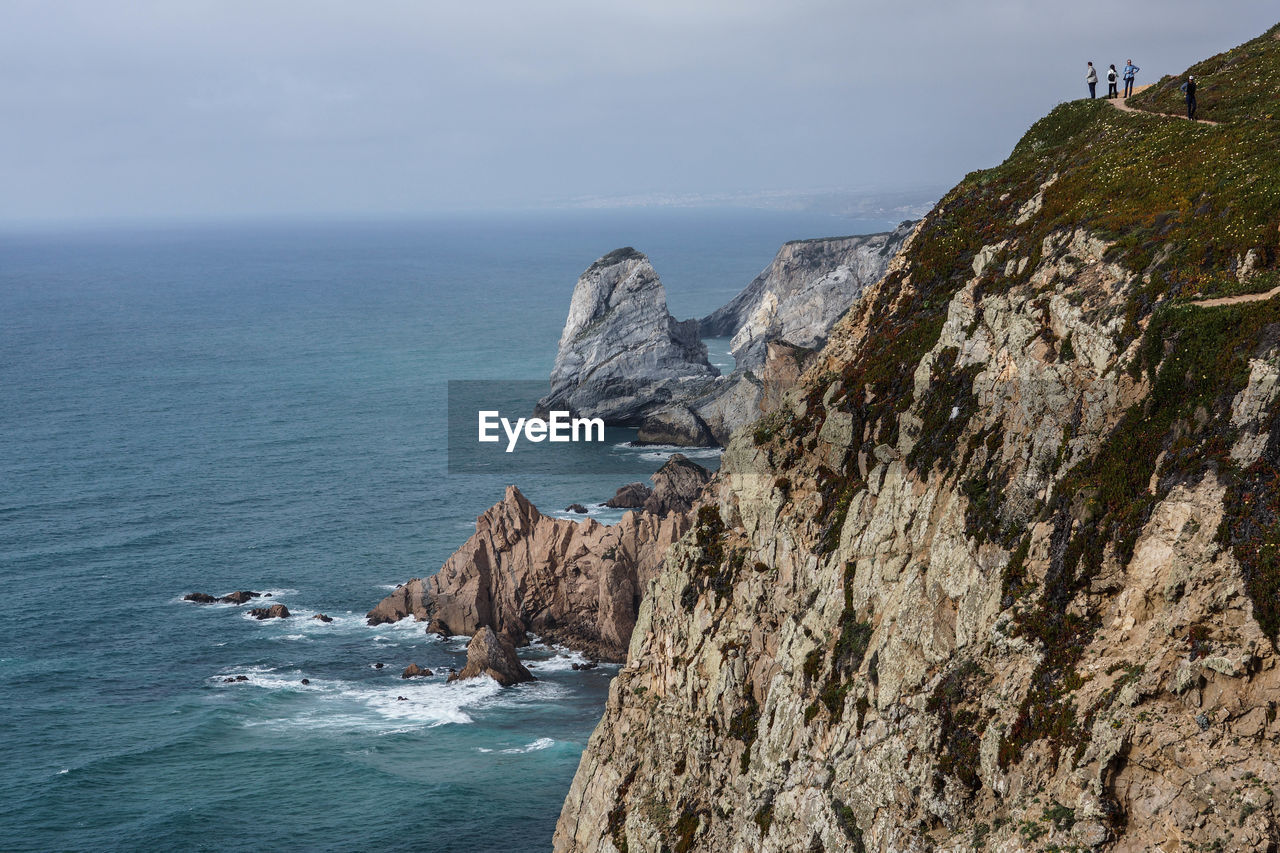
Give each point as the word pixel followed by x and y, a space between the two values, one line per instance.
pixel 622 355
pixel 415 671
pixel 802 293
pixel 495 656
pixel 573 582
pixel 1001 575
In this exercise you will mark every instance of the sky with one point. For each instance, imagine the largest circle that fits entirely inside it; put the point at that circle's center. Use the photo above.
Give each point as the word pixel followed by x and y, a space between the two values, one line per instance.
pixel 230 108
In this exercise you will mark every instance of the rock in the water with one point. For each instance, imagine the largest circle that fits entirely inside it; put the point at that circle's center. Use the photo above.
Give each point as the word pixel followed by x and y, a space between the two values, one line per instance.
pixel 239 597
pixel 406 600
pixel 415 671
pixel 235 678
pixel 630 496
pixel 573 582
pixel 585 666
pixel 578 508
pixel 676 486
pixel 494 656
pixel 275 611
pixel 678 425
pixel 621 354
pixel 199 598
pixel 798 298
pixel 306 681
pixel 323 618
pixel 379 665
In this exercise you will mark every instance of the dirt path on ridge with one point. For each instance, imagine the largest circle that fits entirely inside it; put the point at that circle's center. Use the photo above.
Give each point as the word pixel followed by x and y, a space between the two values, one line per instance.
pixel 1119 103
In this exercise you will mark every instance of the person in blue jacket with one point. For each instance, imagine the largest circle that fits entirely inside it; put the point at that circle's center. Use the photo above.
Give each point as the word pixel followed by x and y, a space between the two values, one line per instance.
pixel 1189 88
pixel 1130 71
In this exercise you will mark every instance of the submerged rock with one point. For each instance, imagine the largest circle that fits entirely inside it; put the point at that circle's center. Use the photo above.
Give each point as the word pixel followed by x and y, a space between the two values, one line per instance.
pixel 275 611
pixel 200 598
pixel 494 656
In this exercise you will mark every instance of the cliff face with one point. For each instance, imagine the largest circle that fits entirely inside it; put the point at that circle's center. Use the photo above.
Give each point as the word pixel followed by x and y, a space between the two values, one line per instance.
pixel 1000 575
pixel 801 294
pixel 624 358
pixel 621 353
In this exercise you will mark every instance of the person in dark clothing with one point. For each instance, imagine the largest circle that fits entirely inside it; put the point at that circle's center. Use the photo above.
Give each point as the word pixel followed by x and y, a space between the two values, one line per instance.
pixel 1112 78
pixel 1189 88
pixel 1091 77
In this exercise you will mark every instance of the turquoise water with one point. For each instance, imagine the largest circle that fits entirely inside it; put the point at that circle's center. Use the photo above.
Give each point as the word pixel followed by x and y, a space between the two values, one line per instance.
pixel 221 408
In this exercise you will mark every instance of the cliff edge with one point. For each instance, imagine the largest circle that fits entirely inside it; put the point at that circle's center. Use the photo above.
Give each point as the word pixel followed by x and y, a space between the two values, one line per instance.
pixel 1001 573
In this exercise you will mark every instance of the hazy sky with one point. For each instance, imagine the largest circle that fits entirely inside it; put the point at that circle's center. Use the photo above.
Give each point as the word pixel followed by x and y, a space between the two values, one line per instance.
pixel 223 107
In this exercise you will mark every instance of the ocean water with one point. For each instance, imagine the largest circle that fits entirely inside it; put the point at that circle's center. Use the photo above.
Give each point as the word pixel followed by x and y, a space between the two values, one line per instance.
pixel 222 407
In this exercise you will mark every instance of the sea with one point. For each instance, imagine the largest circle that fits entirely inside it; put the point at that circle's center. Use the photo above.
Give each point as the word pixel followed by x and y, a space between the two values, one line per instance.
pixel 211 407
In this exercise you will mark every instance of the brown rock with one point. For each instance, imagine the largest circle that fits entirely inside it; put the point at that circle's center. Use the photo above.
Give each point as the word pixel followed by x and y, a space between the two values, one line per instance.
pixel 572 582
pixel 323 618
pixel 415 671
pixel 578 508
pixel 199 597
pixel 275 611
pixel 494 656
pixel 630 496
pixel 676 485
pixel 406 600
pixel 240 597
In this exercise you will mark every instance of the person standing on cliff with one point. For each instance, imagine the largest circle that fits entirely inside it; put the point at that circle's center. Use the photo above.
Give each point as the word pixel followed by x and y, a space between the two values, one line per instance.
pixel 1130 71
pixel 1113 77
pixel 1189 88
pixel 1092 79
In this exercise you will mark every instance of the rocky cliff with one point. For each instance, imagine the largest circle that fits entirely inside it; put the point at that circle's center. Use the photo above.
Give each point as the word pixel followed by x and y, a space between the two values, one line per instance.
pixel 1001 574
pixel 624 358
pixel 802 293
pixel 621 353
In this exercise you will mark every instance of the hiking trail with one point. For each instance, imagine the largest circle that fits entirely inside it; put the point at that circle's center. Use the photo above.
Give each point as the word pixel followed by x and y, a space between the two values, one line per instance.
pixel 1119 103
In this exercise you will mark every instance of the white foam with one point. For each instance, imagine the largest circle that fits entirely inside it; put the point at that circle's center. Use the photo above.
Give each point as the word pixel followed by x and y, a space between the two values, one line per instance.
pixel 664 451
pixel 563 660
pixel 370 705
pixel 534 746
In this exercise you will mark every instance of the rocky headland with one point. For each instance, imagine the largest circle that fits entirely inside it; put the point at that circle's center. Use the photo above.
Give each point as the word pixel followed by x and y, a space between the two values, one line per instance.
pixel 999 573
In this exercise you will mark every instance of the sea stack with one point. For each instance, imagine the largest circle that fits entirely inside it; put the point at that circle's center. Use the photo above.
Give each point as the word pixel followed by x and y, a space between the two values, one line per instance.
pixel 622 355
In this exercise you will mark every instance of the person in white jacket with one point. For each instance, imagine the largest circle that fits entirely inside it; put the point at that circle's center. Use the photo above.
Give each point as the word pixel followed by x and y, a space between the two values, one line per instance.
pixel 1113 77
pixel 1092 79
